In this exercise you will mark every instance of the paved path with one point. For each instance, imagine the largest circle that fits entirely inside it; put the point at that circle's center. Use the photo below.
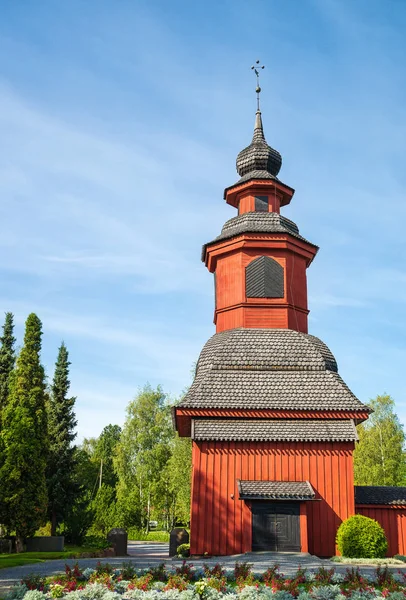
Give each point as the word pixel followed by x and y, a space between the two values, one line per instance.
pixel 144 554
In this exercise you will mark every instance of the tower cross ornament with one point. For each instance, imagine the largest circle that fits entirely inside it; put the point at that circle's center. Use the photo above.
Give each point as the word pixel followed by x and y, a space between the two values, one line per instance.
pixel 256 69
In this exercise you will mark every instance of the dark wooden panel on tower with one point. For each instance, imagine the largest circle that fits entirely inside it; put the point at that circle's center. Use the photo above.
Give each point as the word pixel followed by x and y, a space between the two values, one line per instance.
pixel 261 204
pixel 264 278
pixel 275 526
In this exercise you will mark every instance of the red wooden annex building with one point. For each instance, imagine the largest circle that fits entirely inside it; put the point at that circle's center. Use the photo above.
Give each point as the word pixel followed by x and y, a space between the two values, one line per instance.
pixel 272 422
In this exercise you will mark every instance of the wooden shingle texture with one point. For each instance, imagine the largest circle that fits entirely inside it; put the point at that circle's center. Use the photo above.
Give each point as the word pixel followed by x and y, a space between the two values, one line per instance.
pixel 275 430
pixel 277 369
pixel 275 490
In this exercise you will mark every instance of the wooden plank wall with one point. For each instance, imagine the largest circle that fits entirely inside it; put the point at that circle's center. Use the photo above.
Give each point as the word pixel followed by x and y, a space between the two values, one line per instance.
pixel 393 520
pixel 221 523
pixel 233 309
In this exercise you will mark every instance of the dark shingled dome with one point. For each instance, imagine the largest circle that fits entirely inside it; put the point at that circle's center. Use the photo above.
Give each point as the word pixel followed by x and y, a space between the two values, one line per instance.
pixel 259 156
pixel 277 369
pixel 265 349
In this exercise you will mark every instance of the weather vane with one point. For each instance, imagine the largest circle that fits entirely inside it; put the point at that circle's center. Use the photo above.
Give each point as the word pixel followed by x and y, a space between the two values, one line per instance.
pixel 256 68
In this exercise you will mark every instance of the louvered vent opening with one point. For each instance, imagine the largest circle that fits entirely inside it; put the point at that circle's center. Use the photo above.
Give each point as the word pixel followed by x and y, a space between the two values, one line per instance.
pixel 264 278
pixel 261 204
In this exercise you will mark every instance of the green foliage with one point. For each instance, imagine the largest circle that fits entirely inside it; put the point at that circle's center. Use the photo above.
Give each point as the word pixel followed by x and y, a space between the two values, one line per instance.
pixel 379 457
pixel 7 361
pixel 180 473
pixel 78 519
pixel 7 358
pixel 104 451
pixel 142 456
pixel 183 550
pixel 62 489
pixel 104 511
pixel 25 439
pixel 135 534
pixel 361 537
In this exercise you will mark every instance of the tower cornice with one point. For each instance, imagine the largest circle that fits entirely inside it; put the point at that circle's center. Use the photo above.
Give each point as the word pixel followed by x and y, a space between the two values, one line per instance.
pixel 258 241
pixel 257 185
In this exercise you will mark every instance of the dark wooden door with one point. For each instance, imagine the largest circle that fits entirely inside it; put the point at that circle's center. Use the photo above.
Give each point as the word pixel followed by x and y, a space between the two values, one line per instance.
pixel 275 526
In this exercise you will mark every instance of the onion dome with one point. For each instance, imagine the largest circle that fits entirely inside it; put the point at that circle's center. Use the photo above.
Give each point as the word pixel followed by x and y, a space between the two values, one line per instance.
pixel 258 159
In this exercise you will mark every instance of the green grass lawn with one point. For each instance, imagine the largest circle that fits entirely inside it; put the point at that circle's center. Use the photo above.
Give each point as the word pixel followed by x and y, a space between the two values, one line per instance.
pixel 13 560
pixel 26 558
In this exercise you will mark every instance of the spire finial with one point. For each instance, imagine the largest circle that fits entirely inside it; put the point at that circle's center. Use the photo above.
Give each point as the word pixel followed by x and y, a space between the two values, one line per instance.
pixel 256 68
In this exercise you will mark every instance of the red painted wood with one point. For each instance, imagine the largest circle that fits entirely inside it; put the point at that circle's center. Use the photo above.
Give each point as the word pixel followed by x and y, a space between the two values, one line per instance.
pixel 304 542
pixel 234 309
pixel 274 189
pixel 217 466
pixel 393 521
pixel 183 416
pixel 271 414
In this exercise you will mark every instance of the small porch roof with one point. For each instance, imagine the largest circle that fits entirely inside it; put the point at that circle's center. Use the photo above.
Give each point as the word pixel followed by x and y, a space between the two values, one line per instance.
pixel 275 490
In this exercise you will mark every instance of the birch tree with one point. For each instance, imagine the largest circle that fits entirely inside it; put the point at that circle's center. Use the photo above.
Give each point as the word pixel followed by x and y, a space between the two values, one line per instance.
pixel 379 457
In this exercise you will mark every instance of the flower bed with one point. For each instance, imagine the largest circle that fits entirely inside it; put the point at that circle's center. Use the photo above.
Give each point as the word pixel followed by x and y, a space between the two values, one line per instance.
pixel 210 583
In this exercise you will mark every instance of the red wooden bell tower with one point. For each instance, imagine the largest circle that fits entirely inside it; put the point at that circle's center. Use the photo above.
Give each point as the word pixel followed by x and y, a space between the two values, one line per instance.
pixel 259 231
pixel 272 422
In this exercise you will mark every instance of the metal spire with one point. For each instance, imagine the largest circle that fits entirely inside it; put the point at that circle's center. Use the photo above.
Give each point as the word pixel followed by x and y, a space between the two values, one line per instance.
pixel 256 68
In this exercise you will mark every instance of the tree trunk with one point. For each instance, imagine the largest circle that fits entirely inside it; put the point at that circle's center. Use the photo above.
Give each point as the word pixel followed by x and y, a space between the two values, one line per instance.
pixel 382 455
pixel 53 523
pixel 19 543
pixel 148 512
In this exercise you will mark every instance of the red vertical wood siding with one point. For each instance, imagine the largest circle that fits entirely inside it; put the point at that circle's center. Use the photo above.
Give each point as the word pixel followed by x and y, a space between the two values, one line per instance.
pixel 221 523
pixel 393 521
pixel 234 309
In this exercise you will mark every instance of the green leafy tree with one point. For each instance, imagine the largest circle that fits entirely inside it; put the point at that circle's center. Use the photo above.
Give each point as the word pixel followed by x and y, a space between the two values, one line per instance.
pixel 179 472
pixel 79 517
pixel 379 457
pixel 142 455
pixel 103 454
pixel 25 439
pixel 104 511
pixel 62 487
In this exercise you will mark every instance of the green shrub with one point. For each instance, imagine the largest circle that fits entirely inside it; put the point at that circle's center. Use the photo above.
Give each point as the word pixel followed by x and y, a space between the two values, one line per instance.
pixel 361 537
pixel 183 550
pixel 95 541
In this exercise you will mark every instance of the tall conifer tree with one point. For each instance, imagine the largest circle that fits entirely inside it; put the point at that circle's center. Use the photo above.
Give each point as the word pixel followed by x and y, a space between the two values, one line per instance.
pixel 61 460
pixel 7 361
pixel 22 476
pixel 7 358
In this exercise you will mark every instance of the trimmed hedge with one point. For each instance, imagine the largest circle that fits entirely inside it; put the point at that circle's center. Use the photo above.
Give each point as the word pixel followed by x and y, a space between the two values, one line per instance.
pixel 361 537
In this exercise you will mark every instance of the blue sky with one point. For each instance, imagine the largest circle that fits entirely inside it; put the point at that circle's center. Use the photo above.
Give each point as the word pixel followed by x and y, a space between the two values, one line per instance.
pixel 120 123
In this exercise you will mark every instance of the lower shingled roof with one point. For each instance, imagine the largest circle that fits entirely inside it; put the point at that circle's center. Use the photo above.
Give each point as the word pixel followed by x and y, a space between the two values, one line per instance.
pixel 276 369
pixel 278 390
pixel 275 490
pixel 295 430
pixel 379 494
